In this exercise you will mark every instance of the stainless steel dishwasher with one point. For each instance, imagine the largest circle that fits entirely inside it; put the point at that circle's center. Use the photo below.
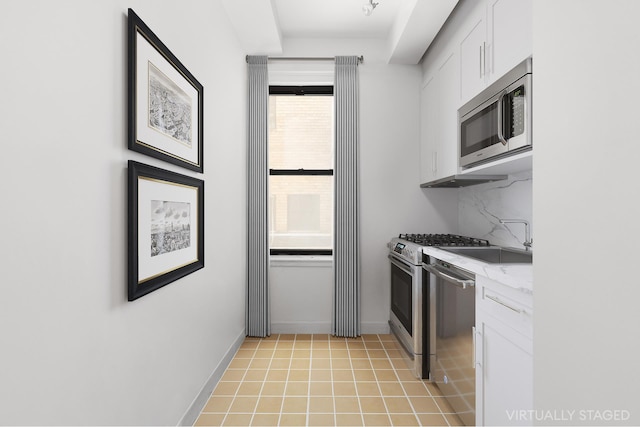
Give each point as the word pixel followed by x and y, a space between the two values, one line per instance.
pixel 452 333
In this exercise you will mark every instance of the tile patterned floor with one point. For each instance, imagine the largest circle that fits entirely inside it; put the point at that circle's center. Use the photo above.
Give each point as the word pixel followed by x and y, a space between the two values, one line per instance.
pixel 320 380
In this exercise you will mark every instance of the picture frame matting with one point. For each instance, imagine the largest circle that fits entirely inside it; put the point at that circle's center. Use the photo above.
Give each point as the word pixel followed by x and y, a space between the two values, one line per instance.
pixel 165 101
pixel 165 227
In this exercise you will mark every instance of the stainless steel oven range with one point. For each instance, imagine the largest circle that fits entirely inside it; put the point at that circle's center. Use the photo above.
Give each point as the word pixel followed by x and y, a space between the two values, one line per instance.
pixel 405 318
pixel 410 314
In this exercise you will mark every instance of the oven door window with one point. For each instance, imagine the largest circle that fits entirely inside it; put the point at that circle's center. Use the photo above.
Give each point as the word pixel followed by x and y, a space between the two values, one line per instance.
pixel 480 130
pixel 401 297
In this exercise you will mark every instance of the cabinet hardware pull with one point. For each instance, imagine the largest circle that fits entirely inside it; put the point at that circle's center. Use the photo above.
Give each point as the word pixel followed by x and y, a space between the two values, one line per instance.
pixel 477 335
pixel 473 333
pixel 484 58
pixel 499 301
pixel 435 162
pixel 491 58
pixel 480 59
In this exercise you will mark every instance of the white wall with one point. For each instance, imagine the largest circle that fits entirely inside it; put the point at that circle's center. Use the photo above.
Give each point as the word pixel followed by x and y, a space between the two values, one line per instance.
pixel 301 294
pixel 391 199
pixel 586 110
pixel 74 351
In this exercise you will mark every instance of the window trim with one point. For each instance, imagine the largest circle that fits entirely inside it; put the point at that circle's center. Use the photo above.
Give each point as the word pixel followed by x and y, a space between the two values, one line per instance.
pixel 301 172
pixel 301 90
pixel 306 252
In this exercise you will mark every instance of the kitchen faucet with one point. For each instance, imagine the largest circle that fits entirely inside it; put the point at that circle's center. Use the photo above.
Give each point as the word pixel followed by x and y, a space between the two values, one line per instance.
pixel 527 236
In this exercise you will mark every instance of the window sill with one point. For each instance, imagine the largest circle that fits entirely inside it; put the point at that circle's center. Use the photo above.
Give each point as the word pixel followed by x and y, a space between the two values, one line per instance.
pixel 301 261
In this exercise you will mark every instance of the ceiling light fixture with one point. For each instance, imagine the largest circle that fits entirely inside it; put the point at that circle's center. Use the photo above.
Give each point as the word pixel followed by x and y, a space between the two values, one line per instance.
pixel 367 8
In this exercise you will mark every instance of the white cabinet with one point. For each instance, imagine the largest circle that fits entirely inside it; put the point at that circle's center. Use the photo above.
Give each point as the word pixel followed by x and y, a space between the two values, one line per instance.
pixel 428 123
pixel 495 39
pixel 473 58
pixel 504 349
pixel 439 122
pixel 510 23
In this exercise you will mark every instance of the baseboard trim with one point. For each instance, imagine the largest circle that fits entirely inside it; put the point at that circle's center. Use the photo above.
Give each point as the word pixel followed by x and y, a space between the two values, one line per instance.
pixel 375 328
pixel 324 327
pixel 190 417
pixel 300 327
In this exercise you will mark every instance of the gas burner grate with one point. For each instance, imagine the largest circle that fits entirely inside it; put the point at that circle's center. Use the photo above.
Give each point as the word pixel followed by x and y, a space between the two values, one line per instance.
pixel 443 240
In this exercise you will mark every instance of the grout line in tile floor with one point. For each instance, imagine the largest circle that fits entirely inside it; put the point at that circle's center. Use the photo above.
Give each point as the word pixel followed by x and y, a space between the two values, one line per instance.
pixel 309 380
pixel 357 395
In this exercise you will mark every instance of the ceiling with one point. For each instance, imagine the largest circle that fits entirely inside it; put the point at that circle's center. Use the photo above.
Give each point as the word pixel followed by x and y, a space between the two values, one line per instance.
pixel 335 18
pixel 405 27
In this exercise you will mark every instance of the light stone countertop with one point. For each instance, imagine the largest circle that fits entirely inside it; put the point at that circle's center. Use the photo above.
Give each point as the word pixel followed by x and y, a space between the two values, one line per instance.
pixel 517 276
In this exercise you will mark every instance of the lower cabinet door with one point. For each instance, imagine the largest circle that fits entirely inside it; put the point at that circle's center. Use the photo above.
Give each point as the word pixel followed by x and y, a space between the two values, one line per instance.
pixel 504 374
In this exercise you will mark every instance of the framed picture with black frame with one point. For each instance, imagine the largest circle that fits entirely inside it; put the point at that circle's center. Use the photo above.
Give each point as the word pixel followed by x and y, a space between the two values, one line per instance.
pixel 165 101
pixel 165 227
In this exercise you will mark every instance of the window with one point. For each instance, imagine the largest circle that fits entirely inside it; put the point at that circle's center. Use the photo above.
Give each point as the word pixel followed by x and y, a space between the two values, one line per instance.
pixel 301 170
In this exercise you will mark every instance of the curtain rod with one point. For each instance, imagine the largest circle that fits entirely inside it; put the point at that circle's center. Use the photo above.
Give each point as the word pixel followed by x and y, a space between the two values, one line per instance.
pixel 308 58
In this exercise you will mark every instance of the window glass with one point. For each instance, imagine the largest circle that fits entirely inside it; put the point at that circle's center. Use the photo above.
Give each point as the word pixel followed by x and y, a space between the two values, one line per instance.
pixel 301 169
pixel 300 132
pixel 301 212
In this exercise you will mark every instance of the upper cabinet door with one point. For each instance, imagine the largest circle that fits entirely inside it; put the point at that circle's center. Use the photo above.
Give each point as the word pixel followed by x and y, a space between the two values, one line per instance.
pixel 428 131
pixel 473 59
pixel 447 145
pixel 511 28
pixel 439 122
pixel 496 38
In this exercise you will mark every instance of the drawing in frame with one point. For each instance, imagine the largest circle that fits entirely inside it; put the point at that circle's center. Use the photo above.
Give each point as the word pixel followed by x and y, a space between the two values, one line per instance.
pixel 166 227
pixel 165 101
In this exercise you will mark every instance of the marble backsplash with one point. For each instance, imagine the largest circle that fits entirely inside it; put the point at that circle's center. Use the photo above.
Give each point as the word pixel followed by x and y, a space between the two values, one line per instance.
pixel 480 207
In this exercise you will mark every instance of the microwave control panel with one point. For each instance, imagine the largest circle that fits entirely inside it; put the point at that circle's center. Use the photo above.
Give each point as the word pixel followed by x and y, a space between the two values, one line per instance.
pixel 516 98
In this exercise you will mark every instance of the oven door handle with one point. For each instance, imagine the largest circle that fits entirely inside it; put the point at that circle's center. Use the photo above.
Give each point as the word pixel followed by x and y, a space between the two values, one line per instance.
pixel 461 283
pixel 401 265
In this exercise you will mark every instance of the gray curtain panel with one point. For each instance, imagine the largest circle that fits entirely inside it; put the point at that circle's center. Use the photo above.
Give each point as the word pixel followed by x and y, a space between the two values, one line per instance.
pixel 258 317
pixel 346 304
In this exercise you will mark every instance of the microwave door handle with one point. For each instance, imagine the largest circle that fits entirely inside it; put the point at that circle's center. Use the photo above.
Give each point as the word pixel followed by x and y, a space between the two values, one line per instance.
pixel 500 118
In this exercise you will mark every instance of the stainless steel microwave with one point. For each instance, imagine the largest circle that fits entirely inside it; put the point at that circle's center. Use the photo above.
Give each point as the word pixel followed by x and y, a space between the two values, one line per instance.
pixel 497 122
